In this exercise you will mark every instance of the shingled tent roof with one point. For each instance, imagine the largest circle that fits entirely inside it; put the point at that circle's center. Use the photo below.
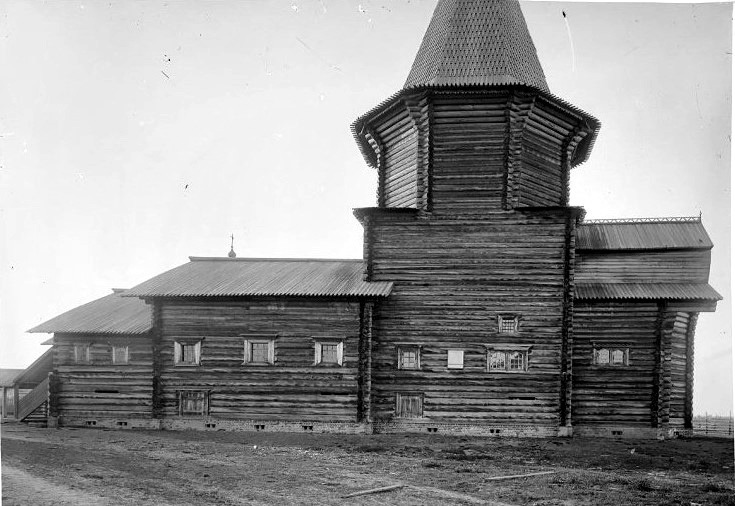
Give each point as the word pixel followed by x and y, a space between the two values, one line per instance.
pixel 112 314
pixel 238 277
pixel 477 42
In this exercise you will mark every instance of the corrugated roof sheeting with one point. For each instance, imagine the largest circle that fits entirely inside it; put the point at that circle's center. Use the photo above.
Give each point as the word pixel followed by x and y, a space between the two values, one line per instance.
pixel 477 42
pixel 262 277
pixel 112 314
pixel 621 235
pixel 7 376
pixel 673 291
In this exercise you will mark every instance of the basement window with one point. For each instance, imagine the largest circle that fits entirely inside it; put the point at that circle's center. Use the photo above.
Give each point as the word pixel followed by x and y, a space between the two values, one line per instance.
pixel 120 355
pixel 617 356
pixel 328 352
pixel 259 351
pixel 193 402
pixel 187 353
pixel 409 357
pixel 82 354
pixel 409 405
pixel 455 359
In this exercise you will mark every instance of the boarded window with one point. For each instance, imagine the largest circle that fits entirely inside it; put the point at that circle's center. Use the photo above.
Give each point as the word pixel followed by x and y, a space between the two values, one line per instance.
pixel 82 354
pixel 507 360
pixel 193 403
pixel 455 359
pixel 187 352
pixel 120 355
pixel 409 357
pixel 259 351
pixel 508 324
pixel 409 405
pixel 328 352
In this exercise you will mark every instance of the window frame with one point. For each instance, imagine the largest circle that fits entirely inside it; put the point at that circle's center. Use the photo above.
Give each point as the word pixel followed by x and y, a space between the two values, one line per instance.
pixel 455 350
pixel 610 348
pixel 179 352
pixel 399 395
pixel 113 355
pixel 87 358
pixel 205 394
pixel 515 318
pixel 507 350
pixel 319 342
pixel 250 339
pixel 404 348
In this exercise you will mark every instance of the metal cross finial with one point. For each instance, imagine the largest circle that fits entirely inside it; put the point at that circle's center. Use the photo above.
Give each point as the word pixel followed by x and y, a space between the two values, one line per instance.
pixel 232 253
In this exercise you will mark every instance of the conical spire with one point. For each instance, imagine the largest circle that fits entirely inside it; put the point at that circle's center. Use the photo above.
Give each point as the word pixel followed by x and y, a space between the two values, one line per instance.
pixel 477 42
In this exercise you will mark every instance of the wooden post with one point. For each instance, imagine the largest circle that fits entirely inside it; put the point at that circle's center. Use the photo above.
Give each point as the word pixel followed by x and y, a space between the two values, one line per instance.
pixel 16 401
pixel 364 398
pixel 156 344
pixel 3 406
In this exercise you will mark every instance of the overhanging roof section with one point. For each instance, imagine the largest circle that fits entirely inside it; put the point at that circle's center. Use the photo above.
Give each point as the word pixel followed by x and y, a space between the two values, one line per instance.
pixel 642 234
pixel 112 314
pixel 222 277
pixel 477 42
pixel 654 291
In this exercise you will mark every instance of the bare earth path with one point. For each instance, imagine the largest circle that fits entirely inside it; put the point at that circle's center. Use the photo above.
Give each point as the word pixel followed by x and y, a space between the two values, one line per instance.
pixel 101 467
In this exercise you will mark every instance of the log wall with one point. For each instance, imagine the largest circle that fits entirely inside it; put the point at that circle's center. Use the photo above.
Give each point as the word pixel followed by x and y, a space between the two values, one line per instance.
pixel 101 389
pixel 615 395
pixel 398 139
pixel 678 327
pixel 292 388
pixel 453 277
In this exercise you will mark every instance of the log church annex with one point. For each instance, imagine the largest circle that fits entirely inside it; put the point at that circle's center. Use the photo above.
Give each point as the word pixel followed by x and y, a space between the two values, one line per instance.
pixel 483 304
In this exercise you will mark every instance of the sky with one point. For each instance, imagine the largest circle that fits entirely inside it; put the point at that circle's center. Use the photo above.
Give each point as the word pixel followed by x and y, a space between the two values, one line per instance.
pixel 136 134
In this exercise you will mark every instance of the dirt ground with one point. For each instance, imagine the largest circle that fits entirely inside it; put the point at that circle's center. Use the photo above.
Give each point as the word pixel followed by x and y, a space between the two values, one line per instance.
pixel 104 467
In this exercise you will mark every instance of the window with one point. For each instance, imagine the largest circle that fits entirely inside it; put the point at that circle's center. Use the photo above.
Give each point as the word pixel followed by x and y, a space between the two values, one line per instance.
pixel 193 403
pixel 508 324
pixel 409 357
pixel 507 360
pixel 409 405
pixel 187 353
pixel 455 359
pixel 328 352
pixel 120 355
pixel 259 351
pixel 617 356
pixel 82 354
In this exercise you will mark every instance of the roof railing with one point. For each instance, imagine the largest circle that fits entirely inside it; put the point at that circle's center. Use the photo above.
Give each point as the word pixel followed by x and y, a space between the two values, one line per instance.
pixel 672 219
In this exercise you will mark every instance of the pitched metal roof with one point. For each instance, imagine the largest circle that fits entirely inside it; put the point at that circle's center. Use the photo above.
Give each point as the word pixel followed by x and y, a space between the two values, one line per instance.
pixel 643 233
pixel 674 291
pixel 477 42
pixel 7 376
pixel 262 277
pixel 113 314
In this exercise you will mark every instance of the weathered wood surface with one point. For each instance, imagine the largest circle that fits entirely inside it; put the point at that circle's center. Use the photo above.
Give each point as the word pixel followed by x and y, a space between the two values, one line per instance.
pixel 678 327
pixel 453 277
pixel 661 266
pixel 100 388
pixel 292 388
pixel 614 394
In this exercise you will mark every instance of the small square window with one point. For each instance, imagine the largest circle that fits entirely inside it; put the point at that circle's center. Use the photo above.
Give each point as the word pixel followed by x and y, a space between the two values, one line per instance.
pixel 409 357
pixel 193 403
pixel 259 351
pixel 187 353
pixel 120 355
pixel 455 359
pixel 82 354
pixel 507 324
pixel 328 352
pixel 409 405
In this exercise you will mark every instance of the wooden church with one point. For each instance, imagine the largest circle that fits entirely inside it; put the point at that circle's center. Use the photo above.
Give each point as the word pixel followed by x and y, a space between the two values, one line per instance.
pixel 483 304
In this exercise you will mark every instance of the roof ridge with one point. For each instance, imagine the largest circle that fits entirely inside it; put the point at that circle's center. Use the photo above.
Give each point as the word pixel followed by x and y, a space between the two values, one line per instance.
pixel 664 219
pixel 259 259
